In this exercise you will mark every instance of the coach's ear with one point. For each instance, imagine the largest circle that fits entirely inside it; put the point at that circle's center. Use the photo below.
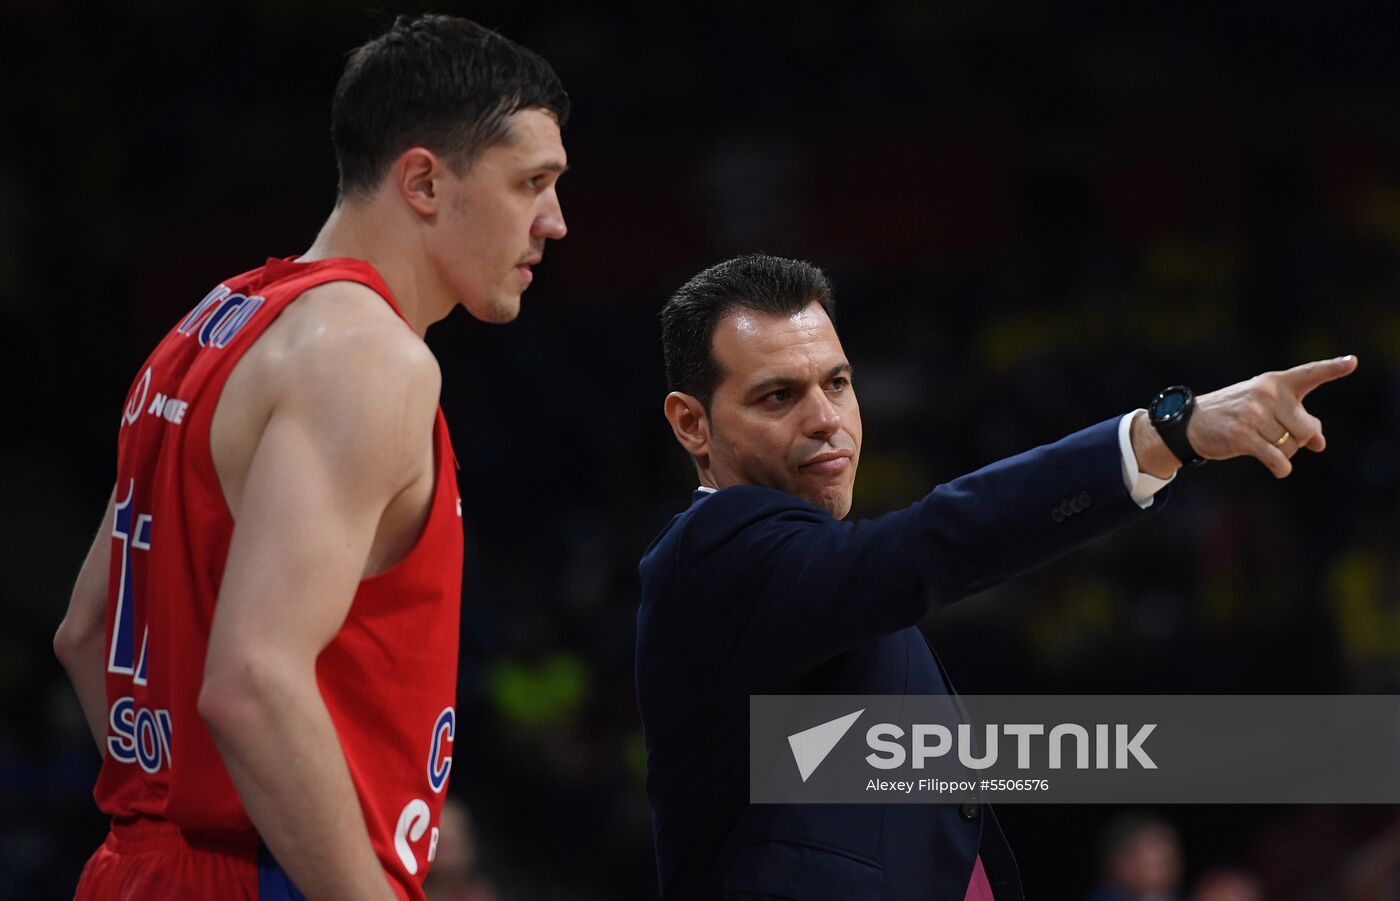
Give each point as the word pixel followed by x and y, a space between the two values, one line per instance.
pixel 690 425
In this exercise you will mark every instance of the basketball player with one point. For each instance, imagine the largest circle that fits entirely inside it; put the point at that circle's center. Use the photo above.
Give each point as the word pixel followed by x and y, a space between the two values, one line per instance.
pixel 264 634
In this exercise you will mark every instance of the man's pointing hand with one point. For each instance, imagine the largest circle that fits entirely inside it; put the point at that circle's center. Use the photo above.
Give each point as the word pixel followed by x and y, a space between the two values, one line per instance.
pixel 1262 417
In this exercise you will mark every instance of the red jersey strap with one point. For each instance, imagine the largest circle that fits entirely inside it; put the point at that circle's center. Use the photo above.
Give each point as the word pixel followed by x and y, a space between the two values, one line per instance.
pixel 278 269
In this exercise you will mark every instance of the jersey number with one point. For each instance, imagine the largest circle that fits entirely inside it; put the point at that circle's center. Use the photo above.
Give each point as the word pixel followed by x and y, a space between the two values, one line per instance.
pixel 134 530
pixel 138 735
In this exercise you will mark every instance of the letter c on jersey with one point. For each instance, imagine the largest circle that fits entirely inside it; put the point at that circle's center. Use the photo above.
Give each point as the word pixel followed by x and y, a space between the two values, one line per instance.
pixel 439 760
pixel 413 822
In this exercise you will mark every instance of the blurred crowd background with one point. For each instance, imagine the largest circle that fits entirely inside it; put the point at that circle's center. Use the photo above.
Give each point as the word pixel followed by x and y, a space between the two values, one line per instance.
pixel 1035 219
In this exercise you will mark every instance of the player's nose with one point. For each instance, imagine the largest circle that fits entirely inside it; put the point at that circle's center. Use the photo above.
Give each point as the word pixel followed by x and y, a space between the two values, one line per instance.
pixel 550 223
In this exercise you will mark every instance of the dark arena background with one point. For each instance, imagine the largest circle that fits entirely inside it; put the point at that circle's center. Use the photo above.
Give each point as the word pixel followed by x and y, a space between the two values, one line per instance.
pixel 1034 220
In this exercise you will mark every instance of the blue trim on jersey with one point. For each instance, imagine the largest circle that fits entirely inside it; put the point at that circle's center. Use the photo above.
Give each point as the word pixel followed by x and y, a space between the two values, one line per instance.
pixel 273 882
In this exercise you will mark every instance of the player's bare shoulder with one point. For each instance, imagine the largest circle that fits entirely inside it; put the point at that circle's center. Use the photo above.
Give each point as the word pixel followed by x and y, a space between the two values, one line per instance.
pixel 343 338
pixel 341 360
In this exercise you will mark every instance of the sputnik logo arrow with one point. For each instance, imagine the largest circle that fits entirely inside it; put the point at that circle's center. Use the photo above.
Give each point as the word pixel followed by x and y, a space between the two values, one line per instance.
pixel 810 746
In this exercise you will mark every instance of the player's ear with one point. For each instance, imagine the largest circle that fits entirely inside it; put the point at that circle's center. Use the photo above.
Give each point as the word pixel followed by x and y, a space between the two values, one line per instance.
pixel 690 424
pixel 415 174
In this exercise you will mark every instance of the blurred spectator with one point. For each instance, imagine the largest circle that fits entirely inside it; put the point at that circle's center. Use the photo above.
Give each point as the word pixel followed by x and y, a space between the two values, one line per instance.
pixel 1315 853
pixel 1373 873
pixel 454 875
pixel 1140 859
pixel 1228 885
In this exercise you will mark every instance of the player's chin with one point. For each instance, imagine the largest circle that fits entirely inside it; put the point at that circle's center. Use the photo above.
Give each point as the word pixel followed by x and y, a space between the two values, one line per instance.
pixel 497 310
pixel 508 310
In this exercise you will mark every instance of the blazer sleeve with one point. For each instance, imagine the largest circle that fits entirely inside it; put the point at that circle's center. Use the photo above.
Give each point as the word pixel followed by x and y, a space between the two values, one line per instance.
pixel 789 587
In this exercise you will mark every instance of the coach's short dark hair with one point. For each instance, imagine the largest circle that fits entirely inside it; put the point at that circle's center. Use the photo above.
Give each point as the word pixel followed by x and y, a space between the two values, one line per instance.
pixel 756 282
pixel 438 82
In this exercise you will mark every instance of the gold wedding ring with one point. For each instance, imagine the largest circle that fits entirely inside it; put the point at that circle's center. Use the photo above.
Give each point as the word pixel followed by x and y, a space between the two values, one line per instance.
pixel 1282 439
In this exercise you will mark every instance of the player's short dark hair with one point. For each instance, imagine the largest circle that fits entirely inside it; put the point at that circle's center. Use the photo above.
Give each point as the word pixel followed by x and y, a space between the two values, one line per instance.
pixel 757 282
pixel 439 82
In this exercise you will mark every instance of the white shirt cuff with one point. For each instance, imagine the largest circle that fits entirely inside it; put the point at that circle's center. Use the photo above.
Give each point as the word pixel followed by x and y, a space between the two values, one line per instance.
pixel 1140 485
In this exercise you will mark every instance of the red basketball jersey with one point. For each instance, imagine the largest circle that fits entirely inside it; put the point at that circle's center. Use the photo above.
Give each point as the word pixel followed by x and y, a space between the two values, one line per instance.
pixel 388 677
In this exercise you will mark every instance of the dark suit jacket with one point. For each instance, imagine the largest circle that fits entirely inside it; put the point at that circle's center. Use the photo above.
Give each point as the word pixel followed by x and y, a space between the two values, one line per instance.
pixel 752 591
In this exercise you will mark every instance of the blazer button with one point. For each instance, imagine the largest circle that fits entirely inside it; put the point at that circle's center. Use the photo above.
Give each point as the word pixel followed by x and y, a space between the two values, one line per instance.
pixel 1083 501
pixel 970 810
pixel 1057 514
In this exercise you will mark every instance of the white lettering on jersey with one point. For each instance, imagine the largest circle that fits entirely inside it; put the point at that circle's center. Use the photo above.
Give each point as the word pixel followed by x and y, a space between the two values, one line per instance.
pixel 414 819
pixel 170 409
pixel 413 822
pixel 139 735
pixel 137 399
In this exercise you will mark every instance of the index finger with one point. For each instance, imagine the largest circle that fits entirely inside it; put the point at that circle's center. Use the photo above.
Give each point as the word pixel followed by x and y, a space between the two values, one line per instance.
pixel 1303 379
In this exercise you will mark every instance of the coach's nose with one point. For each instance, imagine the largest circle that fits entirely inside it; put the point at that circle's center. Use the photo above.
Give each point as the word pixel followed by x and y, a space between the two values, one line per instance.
pixel 822 418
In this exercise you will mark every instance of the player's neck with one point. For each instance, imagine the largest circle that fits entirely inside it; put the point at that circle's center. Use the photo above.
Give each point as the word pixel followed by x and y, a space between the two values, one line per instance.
pixel 361 233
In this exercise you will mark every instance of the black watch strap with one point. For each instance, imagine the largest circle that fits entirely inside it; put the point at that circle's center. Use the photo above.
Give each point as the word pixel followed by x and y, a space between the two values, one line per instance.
pixel 1170 413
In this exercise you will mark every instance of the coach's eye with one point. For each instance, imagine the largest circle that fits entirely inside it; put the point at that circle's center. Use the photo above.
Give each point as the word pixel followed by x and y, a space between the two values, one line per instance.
pixel 778 396
pixel 840 383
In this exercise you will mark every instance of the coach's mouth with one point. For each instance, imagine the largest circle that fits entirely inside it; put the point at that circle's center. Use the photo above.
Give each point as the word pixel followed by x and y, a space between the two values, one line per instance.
pixel 829 462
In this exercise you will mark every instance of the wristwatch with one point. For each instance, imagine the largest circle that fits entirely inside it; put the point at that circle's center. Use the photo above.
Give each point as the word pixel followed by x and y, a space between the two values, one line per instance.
pixel 1169 413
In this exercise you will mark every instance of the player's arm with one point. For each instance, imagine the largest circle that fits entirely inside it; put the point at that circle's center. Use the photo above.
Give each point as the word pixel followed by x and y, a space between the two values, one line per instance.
pixel 81 637
pixel 347 433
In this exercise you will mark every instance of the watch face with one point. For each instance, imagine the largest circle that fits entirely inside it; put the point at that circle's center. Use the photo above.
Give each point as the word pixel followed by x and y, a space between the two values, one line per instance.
pixel 1169 404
